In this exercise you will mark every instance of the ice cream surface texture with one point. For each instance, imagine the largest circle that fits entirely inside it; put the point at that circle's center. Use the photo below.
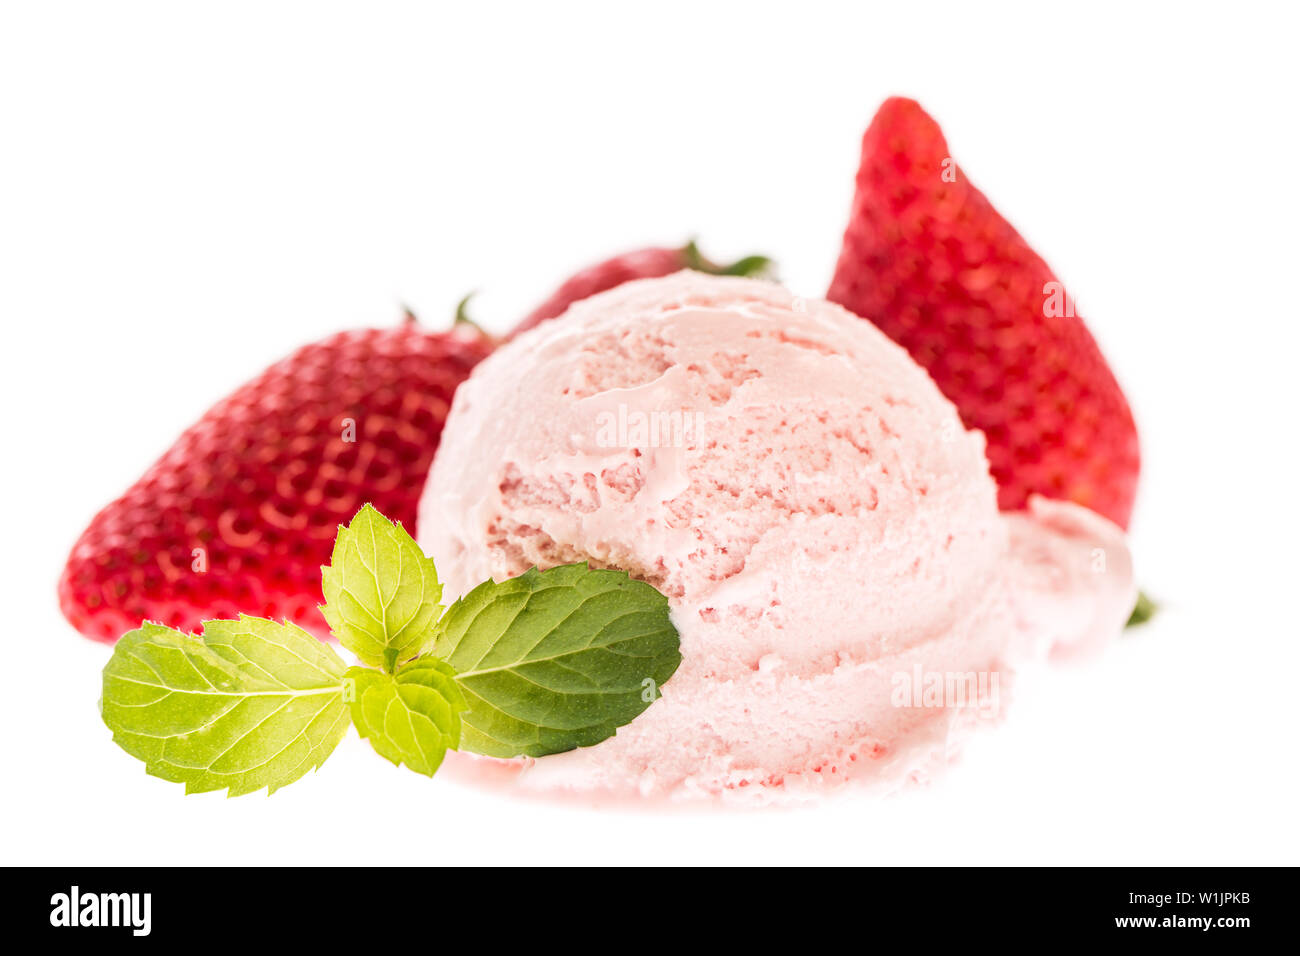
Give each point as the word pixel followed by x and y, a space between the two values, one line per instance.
pixel 848 596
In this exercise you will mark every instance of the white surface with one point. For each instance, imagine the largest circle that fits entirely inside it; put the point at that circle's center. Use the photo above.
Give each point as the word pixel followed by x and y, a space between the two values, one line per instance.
pixel 185 196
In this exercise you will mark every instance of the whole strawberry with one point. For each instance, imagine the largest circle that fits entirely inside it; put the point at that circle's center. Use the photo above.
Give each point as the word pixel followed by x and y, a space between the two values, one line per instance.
pixel 648 263
pixel 933 264
pixel 241 512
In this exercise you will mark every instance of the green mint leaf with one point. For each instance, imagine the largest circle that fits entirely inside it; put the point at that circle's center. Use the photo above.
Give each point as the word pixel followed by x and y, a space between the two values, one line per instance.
pixel 381 592
pixel 558 659
pixel 249 704
pixel 411 717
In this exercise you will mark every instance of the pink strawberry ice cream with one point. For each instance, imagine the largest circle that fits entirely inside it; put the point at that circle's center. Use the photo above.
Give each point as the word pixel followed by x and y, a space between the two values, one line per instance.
pixel 848 596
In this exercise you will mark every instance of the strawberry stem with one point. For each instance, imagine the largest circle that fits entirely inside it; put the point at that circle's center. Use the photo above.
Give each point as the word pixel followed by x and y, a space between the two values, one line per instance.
pixel 462 310
pixel 1143 611
pixel 463 317
pixel 749 266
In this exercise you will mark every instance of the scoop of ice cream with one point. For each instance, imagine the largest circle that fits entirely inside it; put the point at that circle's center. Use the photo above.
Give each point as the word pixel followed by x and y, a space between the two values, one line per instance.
pixel 826 531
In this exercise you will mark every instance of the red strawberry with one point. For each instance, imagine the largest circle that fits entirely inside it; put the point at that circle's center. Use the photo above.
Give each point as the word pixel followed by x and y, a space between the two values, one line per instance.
pixel 241 513
pixel 641 264
pixel 933 264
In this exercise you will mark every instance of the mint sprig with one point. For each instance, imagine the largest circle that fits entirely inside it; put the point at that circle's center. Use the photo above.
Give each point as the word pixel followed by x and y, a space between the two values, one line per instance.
pixel 555 659
pixel 538 664
pixel 381 592
pixel 411 717
pixel 250 704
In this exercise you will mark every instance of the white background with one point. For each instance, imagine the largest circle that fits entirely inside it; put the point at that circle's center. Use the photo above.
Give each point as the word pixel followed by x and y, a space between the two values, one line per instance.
pixel 188 192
